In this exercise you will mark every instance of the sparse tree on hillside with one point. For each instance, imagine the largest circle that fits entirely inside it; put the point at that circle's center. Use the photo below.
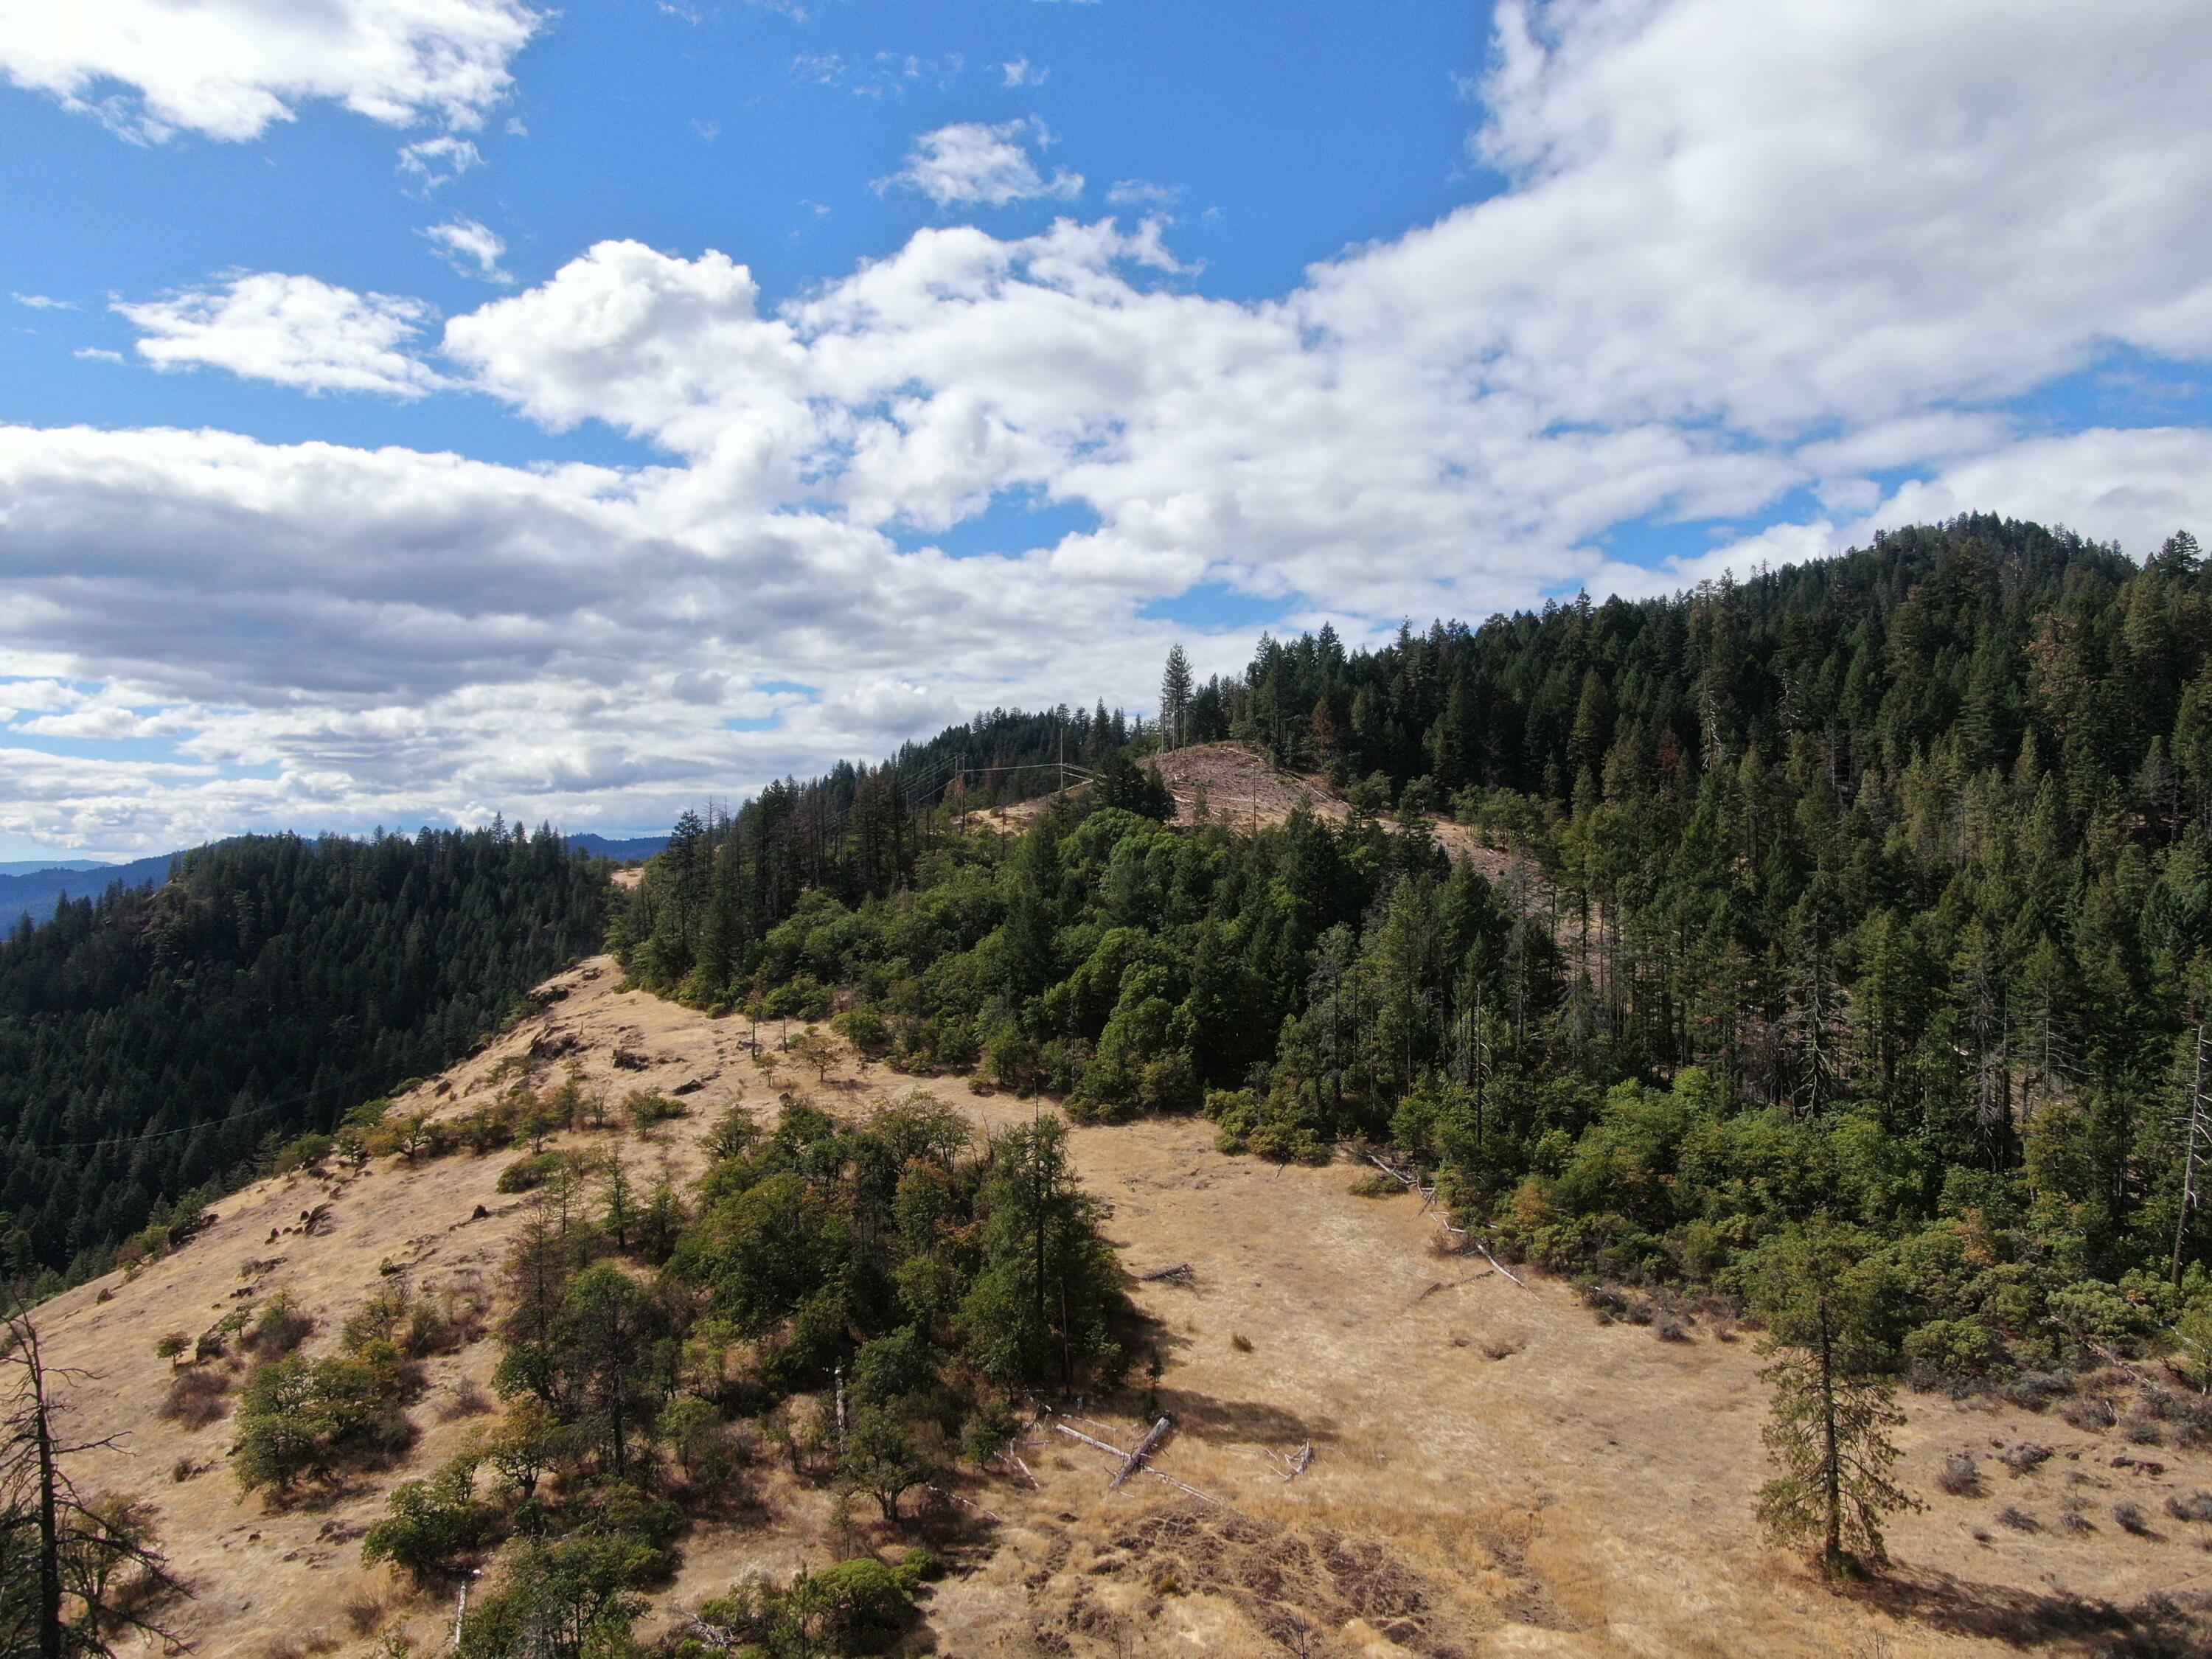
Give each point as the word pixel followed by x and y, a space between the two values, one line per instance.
pixel 72 1568
pixel 883 1458
pixel 810 1048
pixel 1833 1409
pixel 609 1327
pixel 1175 697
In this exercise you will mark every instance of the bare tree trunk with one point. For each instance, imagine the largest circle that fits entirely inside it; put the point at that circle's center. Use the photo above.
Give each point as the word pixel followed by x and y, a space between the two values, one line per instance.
pixel 1831 1458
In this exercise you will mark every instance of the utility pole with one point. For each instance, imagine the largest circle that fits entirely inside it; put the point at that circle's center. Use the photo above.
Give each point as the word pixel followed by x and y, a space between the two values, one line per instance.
pixel 461 1613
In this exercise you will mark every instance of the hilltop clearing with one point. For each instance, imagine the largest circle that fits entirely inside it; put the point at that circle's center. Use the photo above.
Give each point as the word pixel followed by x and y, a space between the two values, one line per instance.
pixel 1492 1470
pixel 1240 789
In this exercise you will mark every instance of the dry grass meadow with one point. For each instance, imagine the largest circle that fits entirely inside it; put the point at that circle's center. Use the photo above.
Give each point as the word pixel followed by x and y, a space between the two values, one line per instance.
pixel 1493 1471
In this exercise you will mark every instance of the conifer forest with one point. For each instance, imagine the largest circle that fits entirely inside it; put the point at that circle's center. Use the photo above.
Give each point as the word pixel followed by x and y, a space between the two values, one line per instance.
pixel 1875 892
pixel 154 1043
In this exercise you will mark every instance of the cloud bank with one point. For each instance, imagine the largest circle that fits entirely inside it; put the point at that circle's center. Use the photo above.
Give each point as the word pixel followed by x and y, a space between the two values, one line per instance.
pixel 1749 255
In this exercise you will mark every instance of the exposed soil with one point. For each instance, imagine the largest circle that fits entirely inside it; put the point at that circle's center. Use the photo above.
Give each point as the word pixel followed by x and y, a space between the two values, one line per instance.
pixel 1587 1491
pixel 1237 786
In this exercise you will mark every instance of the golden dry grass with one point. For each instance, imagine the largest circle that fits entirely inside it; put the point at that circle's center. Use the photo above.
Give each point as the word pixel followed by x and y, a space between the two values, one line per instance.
pixel 1588 1492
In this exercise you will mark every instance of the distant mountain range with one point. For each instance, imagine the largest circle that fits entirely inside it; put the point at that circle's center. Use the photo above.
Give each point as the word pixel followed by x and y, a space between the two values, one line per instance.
pixel 31 887
pixel 622 852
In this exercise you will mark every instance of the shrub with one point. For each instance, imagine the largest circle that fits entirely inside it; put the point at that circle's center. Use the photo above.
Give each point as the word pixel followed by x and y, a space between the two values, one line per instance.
pixel 304 1153
pixel 857 1607
pixel 281 1328
pixel 380 1319
pixel 864 1029
pixel 2132 1519
pixel 2024 1456
pixel 528 1174
pixel 2090 1416
pixel 465 1399
pixel 195 1396
pixel 172 1344
pixel 647 1106
pixel 2197 1506
pixel 2038 1389
pixel 1285 1125
pixel 298 1421
pixel 430 1527
pixel 1945 1350
pixel 2019 1519
pixel 1241 1342
pixel 1959 1476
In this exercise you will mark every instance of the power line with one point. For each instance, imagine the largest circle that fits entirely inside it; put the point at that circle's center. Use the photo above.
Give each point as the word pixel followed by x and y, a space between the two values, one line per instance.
pixel 193 1128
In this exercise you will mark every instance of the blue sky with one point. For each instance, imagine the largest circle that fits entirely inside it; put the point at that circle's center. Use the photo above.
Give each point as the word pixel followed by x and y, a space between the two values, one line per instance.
pixel 746 128
pixel 409 412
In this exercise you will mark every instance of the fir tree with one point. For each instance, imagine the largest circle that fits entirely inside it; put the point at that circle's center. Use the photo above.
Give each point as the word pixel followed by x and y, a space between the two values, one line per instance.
pixel 1832 1413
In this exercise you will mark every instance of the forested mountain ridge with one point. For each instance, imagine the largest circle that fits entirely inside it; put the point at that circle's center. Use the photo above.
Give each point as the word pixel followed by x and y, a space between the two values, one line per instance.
pixel 1878 889
pixel 151 1040
pixel 33 889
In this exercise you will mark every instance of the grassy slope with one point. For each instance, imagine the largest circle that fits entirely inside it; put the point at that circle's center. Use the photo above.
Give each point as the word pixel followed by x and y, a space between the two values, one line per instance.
pixel 1587 1493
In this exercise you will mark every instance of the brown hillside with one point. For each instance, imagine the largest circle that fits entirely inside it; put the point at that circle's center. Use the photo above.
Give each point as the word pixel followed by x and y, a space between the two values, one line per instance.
pixel 1493 1471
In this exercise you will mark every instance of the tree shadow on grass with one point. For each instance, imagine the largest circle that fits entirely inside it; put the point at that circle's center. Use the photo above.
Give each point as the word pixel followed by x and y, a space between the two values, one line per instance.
pixel 1253 1420
pixel 2155 1627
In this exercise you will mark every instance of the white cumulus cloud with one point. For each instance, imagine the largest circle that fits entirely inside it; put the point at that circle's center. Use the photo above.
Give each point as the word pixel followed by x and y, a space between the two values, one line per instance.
pixel 294 331
pixel 970 164
pixel 226 69
pixel 434 161
pixel 471 248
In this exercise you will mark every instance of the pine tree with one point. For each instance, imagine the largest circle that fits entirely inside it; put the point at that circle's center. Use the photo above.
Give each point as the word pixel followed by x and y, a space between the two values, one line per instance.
pixel 1832 1411
pixel 1175 697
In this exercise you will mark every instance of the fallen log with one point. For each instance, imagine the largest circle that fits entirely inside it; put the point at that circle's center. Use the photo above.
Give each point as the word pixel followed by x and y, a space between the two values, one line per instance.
pixel 1403 1179
pixel 1089 1440
pixel 1500 1266
pixel 1078 1434
pixel 1137 1455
